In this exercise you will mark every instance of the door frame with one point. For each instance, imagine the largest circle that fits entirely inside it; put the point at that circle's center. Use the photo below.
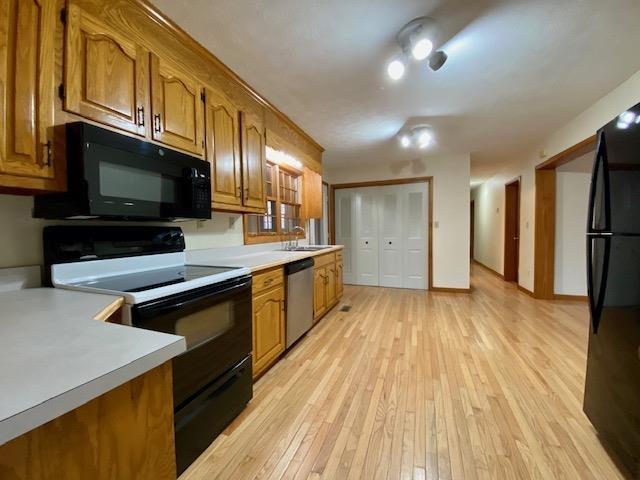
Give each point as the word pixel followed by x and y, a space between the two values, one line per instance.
pixel 545 217
pixel 381 183
pixel 516 268
pixel 472 228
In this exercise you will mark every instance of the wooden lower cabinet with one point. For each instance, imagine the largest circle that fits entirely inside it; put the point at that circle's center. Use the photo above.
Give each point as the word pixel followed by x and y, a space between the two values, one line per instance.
pixel 125 433
pixel 269 332
pixel 327 283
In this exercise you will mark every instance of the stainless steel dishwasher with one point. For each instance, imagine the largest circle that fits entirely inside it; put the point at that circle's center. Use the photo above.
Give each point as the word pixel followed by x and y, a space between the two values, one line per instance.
pixel 299 298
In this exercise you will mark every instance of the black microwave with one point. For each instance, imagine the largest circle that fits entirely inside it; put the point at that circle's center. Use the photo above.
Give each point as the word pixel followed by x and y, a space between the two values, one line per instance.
pixel 113 176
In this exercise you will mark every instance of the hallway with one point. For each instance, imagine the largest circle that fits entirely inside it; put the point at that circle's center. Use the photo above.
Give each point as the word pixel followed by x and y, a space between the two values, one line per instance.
pixel 410 384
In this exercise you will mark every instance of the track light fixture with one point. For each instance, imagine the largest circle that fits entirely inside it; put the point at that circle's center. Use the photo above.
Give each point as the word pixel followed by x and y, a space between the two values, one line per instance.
pixel 419 136
pixel 416 41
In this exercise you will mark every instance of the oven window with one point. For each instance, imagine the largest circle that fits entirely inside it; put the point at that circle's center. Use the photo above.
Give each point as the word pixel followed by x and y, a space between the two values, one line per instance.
pixel 204 325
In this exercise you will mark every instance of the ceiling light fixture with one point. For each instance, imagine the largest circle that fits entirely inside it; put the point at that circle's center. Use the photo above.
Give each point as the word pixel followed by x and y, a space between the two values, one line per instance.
pixel 420 136
pixel 395 69
pixel 416 40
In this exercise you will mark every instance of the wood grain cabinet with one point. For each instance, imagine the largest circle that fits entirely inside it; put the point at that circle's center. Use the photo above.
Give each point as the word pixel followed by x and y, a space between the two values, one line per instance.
pixel 106 74
pixel 269 339
pixel 222 123
pixel 327 283
pixel 253 161
pixel 311 194
pixel 176 107
pixel 27 86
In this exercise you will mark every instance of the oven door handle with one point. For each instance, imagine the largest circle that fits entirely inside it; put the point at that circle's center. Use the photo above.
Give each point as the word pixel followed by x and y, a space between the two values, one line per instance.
pixel 170 305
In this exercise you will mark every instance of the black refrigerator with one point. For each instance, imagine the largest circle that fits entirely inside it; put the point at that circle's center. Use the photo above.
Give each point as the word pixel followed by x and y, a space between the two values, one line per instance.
pixel 612 389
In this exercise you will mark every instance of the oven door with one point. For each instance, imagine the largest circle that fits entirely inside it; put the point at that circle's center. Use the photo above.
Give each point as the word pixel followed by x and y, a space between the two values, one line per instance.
pixel 216 323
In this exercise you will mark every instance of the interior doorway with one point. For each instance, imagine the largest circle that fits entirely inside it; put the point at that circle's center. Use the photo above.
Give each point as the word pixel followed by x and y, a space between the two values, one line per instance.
pixel 512 230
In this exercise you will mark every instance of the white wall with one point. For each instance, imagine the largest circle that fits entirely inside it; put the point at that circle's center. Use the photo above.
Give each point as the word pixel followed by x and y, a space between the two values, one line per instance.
pixel 21 235
pixel 572 193
pixel 450 207
pixel 490 195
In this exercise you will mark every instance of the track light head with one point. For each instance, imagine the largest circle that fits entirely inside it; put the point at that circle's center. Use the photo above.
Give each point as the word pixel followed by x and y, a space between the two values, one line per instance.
pixel 437 60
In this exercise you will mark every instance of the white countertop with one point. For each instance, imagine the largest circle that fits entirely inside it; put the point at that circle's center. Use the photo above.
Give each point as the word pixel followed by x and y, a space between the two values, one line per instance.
pixel 253 260
pixel 55 357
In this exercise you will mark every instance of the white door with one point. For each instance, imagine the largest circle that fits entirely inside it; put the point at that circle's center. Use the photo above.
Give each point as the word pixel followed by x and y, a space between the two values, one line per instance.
pixel 344 225
pixel 391 236
pixel 385 234
pixel 366 242
pixel 416 235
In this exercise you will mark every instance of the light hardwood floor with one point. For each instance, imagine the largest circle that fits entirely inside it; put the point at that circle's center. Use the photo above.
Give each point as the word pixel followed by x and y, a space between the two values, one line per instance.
pixel 420 385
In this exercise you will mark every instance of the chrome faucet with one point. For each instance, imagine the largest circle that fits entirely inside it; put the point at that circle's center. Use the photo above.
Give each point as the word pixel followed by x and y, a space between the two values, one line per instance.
pixel 298 228
pixel 289 244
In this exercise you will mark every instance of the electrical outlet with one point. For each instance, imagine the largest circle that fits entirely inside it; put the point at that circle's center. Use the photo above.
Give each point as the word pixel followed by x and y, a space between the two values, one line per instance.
pixel 199 224
pixel 436 224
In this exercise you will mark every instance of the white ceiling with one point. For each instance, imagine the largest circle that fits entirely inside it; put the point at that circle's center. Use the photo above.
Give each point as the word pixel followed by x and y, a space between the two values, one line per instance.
pixel 516 70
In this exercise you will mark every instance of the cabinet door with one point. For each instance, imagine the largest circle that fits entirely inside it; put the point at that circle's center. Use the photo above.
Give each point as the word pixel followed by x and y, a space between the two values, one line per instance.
pixel 330 284
pixel 223 149
pixel 319 292
pixel 253 161
pixel 106 74
pixel 176 107
pixel 311 194
pixel 27 33
pixel 339 284
pixel 268 328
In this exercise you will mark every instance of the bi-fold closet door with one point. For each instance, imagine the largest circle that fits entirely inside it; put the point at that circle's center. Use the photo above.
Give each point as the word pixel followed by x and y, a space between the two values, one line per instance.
pixel 384 231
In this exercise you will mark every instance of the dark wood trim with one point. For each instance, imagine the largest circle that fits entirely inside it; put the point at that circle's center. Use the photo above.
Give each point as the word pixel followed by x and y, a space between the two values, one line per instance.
pixel 489 269
pixel 511 272
pixel 398 181
pixel 381 183
pixel 569 154
pixel 525 290
pixel 544 234
pixel 450 290
pixel 571 298
pixel 170 25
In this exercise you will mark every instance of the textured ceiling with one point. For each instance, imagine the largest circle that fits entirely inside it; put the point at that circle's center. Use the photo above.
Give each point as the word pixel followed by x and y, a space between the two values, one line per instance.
pixel 516 70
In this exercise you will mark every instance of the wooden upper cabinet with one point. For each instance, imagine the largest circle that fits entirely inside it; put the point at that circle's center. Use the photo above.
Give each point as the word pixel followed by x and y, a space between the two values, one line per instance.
pixel 311 194
pixel 253 161
pixel 106 74
pixel 176 107
pixel 223 149
pixel 27 33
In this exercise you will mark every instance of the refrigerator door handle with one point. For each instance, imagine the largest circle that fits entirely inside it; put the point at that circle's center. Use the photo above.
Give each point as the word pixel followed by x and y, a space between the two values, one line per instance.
pixel 596 299
pixel 600 170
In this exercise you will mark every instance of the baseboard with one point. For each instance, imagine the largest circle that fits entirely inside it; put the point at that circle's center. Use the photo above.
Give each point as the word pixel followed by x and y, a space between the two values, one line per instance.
pixel 524 290
pixel 489 269
pixel 450 290
pixel 575 298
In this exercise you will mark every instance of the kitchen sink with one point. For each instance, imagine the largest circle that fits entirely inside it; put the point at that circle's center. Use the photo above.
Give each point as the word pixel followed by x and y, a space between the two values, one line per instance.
pixel 306 248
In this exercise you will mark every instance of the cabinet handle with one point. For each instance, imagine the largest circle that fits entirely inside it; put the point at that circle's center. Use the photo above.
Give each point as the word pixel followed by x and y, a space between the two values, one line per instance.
pixel 239 190
pixel 268 281
pixel 156 123
pixel 140 111
pixel 48 149
pixel 246 193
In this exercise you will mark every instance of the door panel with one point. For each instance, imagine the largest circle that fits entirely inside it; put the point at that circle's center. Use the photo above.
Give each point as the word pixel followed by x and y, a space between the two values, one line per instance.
pixel 367 254
pixel 391 232
pixel 176 107
pixel 339 279
pixel 511 231
pixel 253 161
pixel 319 292
pixel 416 241
pixel 27 33
pixel 330 284
pixel 268 327
pixel 223 149
pixel 106 74
pixel 344 225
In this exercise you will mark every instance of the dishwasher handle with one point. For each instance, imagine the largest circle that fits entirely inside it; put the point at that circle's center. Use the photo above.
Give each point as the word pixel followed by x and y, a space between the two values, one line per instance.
pixel 297 266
